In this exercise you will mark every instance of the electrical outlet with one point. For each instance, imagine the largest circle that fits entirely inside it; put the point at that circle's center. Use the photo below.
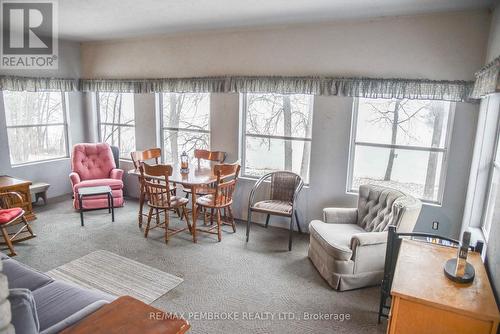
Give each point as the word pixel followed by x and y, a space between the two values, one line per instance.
pixel 435 225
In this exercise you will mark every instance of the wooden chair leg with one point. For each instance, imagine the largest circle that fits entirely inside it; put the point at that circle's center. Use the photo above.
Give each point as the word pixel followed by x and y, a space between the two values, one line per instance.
pixel 150 215
pixel 28 227
pixel 219 223
pixel 141 207
pixel 167 221
pixel 184 213
pixel 231 217
pixel 8 242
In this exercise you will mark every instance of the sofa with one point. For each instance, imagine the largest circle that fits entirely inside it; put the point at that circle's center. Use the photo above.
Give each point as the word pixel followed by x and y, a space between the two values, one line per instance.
pixel 58 304
pixel 93 165
pixel 348 246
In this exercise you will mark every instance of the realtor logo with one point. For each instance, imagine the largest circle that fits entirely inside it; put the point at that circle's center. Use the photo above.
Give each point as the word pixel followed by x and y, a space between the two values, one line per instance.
pixel 29 34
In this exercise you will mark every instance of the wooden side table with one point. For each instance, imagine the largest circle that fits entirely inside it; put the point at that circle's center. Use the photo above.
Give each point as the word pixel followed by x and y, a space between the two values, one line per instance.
pixel 131 316
pixel 22 187
pixel 425 301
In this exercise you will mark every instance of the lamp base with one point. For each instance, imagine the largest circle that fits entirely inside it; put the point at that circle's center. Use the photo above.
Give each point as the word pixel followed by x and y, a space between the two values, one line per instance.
pixel 449 271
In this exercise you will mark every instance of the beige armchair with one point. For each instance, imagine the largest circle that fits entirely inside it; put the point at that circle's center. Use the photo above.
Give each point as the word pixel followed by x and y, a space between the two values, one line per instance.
pixel 348 247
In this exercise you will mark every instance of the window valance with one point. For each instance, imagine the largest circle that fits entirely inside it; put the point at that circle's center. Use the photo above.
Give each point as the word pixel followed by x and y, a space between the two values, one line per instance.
pixel 327 86
pixel 35 84
pixel 355 87
pixel 487 79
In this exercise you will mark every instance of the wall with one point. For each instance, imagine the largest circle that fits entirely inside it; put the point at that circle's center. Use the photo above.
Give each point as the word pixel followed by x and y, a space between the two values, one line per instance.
pixel 54 172
pixel 445 46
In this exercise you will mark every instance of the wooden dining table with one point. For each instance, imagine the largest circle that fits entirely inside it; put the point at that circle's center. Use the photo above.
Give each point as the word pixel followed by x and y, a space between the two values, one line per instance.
pixel 197 176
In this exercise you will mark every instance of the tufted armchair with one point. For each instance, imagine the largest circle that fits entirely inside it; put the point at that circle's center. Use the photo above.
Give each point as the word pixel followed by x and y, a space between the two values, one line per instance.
pixel 93 165
pixel 348 247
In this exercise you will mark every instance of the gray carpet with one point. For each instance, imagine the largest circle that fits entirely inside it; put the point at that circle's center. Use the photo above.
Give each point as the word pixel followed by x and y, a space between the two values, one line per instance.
pixel 231 276
pixel 117 275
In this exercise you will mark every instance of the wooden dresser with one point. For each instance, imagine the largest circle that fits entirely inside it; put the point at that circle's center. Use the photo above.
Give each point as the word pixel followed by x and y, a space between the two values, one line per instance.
pixel 22 187
pixel 425 301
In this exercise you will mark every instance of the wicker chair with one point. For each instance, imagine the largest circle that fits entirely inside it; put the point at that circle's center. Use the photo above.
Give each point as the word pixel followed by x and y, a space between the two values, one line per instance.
pixel 285 187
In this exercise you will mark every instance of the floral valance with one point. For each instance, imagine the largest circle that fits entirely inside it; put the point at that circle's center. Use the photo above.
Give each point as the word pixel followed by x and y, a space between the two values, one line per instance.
pixel 487 79
pixel 355 87
pixel 34 84
pixel 326 86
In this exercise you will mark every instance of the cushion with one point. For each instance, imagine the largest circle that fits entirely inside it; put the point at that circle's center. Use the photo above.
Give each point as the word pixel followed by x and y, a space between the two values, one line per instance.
pixel 92 161
pixel 375 207
pixel 22 276
pixel 112 183
pixel 23 310
pixel 59 300
pixel 276 207
pixel 7 215
pixel 335 238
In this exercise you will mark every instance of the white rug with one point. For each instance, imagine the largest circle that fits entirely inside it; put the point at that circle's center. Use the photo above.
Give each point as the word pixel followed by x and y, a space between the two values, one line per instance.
pixel 117 275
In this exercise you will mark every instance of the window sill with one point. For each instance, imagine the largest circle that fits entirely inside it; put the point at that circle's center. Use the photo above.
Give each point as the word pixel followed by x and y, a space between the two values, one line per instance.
pixel 34 163
pixel 424 203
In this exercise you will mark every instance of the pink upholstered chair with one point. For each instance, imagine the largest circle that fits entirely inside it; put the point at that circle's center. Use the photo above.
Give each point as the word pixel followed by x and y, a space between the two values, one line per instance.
pixel 93 165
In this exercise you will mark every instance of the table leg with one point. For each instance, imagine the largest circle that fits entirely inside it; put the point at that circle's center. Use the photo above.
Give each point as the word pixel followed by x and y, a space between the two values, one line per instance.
pixel 109 204
pixel 80 204
pixel 193 210
pixel 112 207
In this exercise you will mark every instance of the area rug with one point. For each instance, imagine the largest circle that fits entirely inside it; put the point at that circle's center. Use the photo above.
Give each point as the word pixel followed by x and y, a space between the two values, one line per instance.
pixel 117 275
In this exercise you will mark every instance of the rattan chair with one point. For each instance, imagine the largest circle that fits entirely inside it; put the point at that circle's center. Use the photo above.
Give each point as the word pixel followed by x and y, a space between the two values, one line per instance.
pixel 285 187
pixel 160 198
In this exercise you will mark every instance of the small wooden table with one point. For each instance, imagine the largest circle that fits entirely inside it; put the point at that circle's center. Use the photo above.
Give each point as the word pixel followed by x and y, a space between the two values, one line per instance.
pixel 131 316
pixel 8 183
pixel 425 301
pixel 96 191
pixel 198 176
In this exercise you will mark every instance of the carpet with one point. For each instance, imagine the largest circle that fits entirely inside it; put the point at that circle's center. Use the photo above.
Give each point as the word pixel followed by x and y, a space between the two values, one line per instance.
pixel 117 275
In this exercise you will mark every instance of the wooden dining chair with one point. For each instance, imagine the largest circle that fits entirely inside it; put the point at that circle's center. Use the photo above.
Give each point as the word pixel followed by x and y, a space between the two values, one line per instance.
pixel 210 156
pixel 160 199
pixel 12 214
pixel 138 157
pixel 221 198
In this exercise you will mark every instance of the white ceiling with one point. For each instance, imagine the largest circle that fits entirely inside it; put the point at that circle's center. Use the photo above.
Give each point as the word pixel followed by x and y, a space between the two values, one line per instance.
pixel 86 20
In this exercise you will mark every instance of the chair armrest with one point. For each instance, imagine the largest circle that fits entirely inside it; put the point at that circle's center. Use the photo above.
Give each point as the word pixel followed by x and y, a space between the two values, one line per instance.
pixel 368 238
pixel 116 174
pixel 75 179
pixel 340 215
pixel 10 199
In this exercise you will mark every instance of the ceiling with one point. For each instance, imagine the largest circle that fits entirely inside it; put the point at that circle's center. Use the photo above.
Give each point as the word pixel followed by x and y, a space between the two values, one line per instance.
pixel 87 20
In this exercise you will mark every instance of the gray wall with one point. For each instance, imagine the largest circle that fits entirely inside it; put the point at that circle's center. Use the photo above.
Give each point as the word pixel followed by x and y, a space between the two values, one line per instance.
pixel 53 172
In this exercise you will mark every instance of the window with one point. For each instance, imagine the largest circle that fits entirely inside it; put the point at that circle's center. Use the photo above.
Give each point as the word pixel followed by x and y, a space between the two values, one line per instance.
pixel 276 133
pixel 116 121
pixel 492 213
pixel 36 126
pixel 185 123
pixel 401 144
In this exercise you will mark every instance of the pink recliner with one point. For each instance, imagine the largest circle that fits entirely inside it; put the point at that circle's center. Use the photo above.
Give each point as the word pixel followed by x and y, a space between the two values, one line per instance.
pixel 93 165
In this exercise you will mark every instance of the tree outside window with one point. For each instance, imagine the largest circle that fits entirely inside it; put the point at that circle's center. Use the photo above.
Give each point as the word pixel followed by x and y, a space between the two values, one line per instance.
pixel 276 133
pixel 36 126
pixel 401 144
pixel 185 124
pixel 117 121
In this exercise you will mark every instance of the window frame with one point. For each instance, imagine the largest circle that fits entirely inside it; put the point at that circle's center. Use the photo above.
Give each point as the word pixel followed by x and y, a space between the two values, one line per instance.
pixel 485 225
pixel 444 168
pixel 162 127
pixel 119 125
pixel 65 125
pixel 243 137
